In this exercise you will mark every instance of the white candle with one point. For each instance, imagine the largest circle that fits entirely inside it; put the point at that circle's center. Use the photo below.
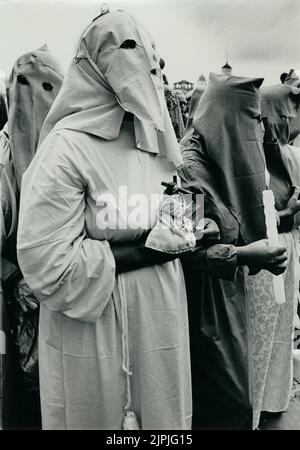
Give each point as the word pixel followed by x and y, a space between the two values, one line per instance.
pixel 272 234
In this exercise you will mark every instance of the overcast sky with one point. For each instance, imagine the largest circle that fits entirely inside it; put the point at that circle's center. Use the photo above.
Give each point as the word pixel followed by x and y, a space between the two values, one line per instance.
pixel 262 37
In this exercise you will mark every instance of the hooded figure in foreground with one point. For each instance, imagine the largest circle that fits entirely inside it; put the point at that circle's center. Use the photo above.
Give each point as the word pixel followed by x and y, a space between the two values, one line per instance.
pixel 33 85
pixel 113 343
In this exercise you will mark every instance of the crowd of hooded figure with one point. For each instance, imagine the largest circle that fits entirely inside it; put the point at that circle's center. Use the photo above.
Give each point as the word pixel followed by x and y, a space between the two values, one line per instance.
pixel 100 331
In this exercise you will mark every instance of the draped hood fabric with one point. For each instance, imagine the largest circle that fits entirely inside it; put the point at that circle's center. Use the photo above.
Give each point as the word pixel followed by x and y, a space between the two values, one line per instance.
pixel 281 105
pixel 228 136
pixel 32 87
pixel 116 69
pixel 281 115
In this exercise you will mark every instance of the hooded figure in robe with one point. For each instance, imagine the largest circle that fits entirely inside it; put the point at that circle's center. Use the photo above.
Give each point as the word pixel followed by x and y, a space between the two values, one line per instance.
pixel 224 158
pixel 111 345
pixel 33 85
pixel 173 106
pixel 271 331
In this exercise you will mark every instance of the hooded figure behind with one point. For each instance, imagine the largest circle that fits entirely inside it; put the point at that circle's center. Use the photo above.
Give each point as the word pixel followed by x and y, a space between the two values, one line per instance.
pixel 224 159
pixel 32 87
pixel 228 126
pixel 33 84
pixel 271 331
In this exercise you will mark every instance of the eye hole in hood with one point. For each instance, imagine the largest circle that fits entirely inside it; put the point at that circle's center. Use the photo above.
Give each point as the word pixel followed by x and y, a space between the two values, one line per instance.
pixel 22 80
pixel 47 86
pixel 129 44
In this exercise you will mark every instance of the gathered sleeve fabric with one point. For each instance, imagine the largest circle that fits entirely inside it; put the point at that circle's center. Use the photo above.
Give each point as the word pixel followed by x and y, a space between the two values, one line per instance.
pixel 218 261
pixel 66 270
pixel 222 261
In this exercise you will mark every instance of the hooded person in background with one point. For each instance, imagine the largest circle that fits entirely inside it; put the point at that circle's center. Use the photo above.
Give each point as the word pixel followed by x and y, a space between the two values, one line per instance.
pixel 271 333
pixel 195 99
pixel 293 79
pixel 183 105
pixel 174 109
pixel 224 158
pixel 32 87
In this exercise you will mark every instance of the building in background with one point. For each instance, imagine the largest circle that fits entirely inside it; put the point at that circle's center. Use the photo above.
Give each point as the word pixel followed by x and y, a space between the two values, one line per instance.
pixel 201 83
pixel 227 69
pixel 186 87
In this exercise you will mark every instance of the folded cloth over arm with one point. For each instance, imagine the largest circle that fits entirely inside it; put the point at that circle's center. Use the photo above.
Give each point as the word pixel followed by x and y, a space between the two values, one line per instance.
pixel 67 271
pixel 173 232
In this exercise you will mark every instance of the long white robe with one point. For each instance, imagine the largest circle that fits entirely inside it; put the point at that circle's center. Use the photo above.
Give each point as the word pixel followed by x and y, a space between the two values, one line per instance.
pixel 67 262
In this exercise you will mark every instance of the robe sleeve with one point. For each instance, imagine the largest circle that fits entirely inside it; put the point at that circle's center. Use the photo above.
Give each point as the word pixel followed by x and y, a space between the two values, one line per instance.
pixel 66 270
pixel 219 261
pixel 222 261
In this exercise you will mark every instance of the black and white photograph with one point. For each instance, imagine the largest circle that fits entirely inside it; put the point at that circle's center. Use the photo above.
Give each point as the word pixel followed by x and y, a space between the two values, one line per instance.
pixel 150 217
